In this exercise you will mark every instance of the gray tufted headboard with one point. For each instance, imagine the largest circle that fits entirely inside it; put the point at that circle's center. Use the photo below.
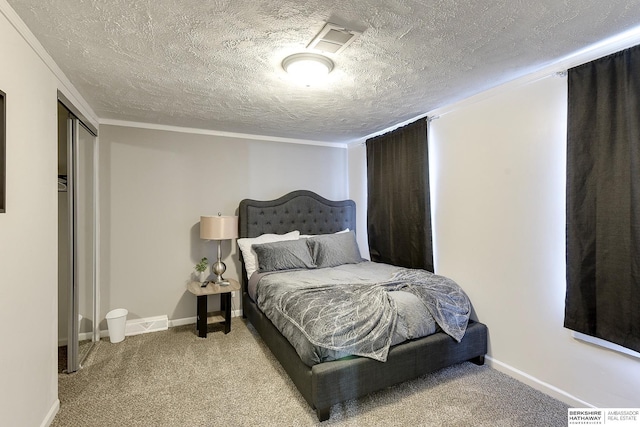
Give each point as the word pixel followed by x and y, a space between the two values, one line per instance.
pixel 300 210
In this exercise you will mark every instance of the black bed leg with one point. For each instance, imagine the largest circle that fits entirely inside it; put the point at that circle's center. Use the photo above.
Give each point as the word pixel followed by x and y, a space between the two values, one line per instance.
pixel 323 414
pixel 478 360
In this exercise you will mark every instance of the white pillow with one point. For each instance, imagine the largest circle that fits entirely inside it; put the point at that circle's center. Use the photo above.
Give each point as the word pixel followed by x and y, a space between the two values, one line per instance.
pixel 306 236
pixel 249 255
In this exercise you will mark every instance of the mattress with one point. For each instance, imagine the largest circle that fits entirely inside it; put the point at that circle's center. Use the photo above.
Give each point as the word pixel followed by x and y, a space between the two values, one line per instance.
pixel 382 301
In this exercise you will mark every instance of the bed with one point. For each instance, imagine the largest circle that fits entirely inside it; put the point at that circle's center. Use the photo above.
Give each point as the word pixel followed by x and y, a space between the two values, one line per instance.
pixel 327 383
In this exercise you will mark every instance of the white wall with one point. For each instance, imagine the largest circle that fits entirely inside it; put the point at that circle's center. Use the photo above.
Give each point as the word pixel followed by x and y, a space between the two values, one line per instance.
pixel 29 228
pixel 499 201
pixel 358 193
pixel 28 236
pixel 155 184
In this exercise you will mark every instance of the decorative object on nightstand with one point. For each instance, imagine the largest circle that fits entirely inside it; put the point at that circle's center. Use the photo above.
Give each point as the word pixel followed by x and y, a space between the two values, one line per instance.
pixel 219 228
pixel 201 268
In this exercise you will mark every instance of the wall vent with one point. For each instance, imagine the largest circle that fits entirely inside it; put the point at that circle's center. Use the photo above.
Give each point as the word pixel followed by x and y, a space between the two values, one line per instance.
pixel 333 39
pixel 146 325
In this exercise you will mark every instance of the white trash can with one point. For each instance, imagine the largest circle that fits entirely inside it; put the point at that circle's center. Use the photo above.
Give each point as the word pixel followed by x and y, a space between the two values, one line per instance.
pixel 116 322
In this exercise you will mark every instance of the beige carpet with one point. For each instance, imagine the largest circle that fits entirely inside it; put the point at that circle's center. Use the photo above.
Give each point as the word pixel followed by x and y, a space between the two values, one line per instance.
pixel 174 378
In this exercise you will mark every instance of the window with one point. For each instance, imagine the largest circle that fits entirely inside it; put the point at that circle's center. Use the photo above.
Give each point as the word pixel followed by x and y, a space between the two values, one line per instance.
pixel 603 199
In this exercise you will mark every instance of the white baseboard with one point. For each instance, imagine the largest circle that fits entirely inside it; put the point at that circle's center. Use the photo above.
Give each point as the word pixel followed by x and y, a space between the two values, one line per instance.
pixel 48 419
pixel 192 320
pixel 181 322
pixel 531 381
pixel 146 325
pixel 142 326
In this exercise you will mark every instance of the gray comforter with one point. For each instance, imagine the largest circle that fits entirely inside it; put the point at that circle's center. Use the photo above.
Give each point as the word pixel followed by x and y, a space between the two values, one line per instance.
pixel 359 309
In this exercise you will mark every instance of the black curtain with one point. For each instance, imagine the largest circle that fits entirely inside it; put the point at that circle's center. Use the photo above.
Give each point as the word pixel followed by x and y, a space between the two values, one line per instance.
pixel 399 211
pixel 603 199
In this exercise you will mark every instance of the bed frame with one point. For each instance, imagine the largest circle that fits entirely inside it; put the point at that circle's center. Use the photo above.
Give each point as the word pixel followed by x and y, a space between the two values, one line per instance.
pixel 328 383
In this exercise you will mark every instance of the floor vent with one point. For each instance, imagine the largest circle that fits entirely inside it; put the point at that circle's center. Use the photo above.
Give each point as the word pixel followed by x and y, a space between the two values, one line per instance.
pixel 148 324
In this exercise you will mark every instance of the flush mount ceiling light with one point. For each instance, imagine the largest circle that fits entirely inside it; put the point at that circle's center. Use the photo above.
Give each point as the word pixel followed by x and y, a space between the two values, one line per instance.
pixel 307 68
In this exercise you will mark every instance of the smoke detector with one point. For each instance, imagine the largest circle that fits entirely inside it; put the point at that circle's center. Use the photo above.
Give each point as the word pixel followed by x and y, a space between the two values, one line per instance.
pixel 333 39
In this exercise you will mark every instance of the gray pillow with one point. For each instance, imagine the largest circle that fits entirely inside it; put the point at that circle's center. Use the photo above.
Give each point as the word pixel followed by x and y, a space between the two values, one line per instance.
pixel 285 255
pixel 331 250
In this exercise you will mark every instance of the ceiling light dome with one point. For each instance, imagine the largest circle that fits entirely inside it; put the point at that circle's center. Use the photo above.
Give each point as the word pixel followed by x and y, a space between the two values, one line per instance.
pixel 307 68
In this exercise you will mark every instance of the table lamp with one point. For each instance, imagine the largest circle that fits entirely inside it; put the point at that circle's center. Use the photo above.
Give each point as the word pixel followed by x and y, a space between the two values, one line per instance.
pixel 219 228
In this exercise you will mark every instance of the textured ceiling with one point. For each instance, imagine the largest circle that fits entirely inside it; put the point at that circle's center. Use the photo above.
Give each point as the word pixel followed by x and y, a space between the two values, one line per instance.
pixel 216 64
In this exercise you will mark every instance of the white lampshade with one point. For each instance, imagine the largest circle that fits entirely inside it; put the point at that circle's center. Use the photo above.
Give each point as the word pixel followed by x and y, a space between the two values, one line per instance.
pixel 307 68
pixel 218 227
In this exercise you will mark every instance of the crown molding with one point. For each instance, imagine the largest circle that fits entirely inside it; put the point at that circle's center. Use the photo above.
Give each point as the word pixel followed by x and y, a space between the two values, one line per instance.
pixel 196 131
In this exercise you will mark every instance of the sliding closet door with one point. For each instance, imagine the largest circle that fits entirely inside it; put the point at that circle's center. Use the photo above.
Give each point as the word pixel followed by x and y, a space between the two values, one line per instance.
pixel 82 205
pixel 85 238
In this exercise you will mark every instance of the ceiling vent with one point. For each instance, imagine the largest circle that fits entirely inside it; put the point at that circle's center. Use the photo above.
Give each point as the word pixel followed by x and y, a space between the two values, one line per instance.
pixel 333 39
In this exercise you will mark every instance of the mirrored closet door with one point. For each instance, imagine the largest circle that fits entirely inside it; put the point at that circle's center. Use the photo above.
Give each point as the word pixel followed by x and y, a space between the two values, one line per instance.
pixel 77 239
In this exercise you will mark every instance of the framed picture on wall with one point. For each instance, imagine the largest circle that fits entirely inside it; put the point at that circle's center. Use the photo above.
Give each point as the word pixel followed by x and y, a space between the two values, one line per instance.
pixel 3 151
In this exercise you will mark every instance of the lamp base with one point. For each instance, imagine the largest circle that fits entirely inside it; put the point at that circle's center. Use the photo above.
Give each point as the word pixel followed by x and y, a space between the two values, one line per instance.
pixel 218 268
